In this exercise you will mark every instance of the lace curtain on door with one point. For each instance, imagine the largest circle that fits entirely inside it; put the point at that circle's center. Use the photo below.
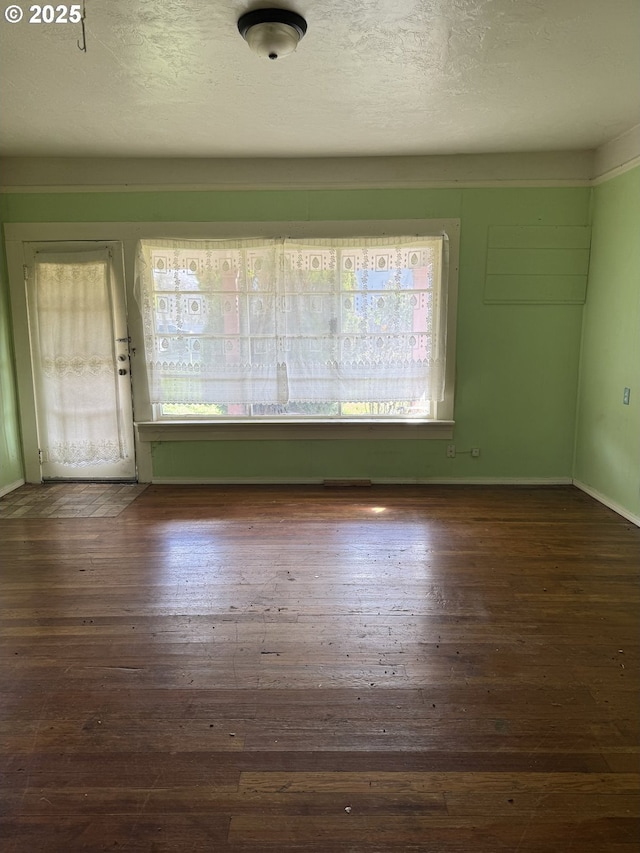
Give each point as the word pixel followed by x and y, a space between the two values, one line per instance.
pixel 291 324
pixel 74 360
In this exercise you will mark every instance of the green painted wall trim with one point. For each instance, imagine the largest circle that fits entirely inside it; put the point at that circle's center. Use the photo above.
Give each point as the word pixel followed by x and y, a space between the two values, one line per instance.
pixel 10 447
pixel 228 206
pixel 509 289
pixel 607 454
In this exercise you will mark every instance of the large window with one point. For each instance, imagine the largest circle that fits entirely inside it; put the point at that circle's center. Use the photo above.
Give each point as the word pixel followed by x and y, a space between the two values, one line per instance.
pixel 295 329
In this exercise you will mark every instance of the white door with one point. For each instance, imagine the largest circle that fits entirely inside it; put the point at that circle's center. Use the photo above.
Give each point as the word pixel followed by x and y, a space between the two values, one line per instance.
pixel 80 356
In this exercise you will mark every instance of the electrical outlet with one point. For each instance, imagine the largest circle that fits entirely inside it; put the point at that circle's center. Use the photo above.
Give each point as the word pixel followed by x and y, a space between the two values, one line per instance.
pixel 451 451
pixel 475 452
pixel 626 396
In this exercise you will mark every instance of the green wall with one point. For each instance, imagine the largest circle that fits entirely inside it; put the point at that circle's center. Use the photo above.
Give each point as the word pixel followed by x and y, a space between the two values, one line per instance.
pixel 608 433
pixel 517 364
pixel 10 450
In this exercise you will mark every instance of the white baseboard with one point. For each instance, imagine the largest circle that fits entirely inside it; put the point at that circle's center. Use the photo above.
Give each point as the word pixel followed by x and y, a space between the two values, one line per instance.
pixel 237 481
pixel 479 481
pixel 11 487
pixel 603 499
pixel 379 481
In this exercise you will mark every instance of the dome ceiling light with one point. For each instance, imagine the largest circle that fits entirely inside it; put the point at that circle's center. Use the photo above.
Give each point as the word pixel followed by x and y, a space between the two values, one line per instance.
pixel 272 33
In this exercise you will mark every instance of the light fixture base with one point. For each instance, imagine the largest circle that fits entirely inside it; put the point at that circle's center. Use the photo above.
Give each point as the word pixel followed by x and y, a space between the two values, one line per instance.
pixel 272 33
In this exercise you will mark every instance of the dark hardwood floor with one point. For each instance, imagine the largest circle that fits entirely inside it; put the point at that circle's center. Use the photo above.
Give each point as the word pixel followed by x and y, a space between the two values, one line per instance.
pixel 322 670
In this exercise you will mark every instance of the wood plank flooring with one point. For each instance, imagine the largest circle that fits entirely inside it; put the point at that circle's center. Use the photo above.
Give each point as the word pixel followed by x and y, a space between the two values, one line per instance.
pixel 66 500
pixel 331 671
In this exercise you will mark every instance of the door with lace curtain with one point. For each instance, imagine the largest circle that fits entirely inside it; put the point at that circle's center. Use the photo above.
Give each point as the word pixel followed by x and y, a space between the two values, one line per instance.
pixel 80 357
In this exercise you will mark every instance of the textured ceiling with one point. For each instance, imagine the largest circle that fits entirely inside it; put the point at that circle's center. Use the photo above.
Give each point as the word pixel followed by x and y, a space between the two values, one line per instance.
pixel 371 77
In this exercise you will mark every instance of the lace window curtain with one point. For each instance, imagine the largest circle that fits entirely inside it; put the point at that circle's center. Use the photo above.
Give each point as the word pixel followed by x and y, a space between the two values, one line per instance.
pixel 72 338
pixel 258 322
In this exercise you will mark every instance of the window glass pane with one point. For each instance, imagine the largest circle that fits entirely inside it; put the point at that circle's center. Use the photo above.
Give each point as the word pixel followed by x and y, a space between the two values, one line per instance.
pixel 320 328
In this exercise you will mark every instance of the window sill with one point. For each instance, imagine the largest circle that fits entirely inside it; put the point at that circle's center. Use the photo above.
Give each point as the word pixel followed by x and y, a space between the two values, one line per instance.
pixel 262 430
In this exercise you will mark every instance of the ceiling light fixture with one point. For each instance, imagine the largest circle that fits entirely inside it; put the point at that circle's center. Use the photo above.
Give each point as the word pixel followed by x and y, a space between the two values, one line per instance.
pixel 272 33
